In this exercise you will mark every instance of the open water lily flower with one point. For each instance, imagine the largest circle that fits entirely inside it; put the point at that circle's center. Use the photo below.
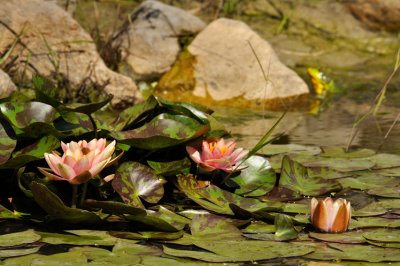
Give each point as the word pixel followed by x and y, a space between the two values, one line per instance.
pixel 80 162
pixel 330 216
pixel 218 155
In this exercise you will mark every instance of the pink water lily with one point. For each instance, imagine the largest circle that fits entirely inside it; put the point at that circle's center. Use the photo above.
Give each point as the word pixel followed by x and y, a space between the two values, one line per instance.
pixel 80 162
pixel 330 216
pixel 218 155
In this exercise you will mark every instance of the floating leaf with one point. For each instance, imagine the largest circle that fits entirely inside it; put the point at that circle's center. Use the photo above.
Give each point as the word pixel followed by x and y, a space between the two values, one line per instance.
pixel 32 152
pixel 374 222
pixel 391 191
pixel 215 199
pixel 18 238
pixel 284 228
pixel 339 152
pixel 383 235
pixel 54 206
pixel 355 252
pixel 366 181
pixel 274 149
pixel 353 237
pixel 127 247
pixel 170 168
pixel 154 221
pixel 384 160
pixel 8 253
pixel 7 214
pixel 78 237
pixel 137 112
pixel 197 112
pixel 88 108
pixel 176 220
pixel 114 207
pixel 198 255
pixel 257 179
pixel 7 145
pixel 295 178
pixel 148 235
pixel 163 131
pixel 341 164
pixel 133 180
pixel 258 227
pixel 327 173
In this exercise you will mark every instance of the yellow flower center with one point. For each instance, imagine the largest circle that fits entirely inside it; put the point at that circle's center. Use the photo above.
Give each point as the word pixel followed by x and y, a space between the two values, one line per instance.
pixel 213 145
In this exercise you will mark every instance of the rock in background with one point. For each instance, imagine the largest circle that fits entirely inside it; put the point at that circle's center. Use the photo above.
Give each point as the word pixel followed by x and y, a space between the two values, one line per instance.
pixel 6 85
pixel 51 43
pixel 149 41
pixel 225 67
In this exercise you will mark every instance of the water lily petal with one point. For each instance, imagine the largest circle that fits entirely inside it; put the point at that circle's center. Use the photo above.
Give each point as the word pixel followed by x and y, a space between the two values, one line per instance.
pixel 194 154
pixel 82 165
pixel 66 171
pixel 49 175
pixel 96 168
pixel 52 160
pixel 80 179
pixel 321 216
pixel 106 153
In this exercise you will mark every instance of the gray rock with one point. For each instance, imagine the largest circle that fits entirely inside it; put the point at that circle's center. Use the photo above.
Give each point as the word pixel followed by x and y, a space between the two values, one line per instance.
pixel 148 42
pixel 377 14
pixel 6 85
pixel 225 66
pixel 51 43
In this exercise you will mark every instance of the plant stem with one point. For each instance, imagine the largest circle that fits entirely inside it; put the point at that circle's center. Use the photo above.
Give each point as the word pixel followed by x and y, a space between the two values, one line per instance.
pixel 83 196
pixel 94 125
pixel 74 196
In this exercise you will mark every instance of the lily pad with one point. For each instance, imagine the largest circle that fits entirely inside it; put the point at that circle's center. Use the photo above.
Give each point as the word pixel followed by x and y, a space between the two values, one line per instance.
pixel 339 152
pixel 284 228
pixel 176 220
pixel 366 181
pixel 392 191
pixel 363 222
pixel 78 237
pixel 383 235
pixel 127 247
pixel 353 237
pixel 341 164
pixel 54 206
pixel 133 180
pixel 8 253
pixel 198 255
pixel 295 178
pixel 18 238
pixel 384 160
pixel 147 235
pixel 114 207
pixel 257 179
pixel 274 149
pixel 258 227
pixel 7 145
pixel 163 131
pixel 170 168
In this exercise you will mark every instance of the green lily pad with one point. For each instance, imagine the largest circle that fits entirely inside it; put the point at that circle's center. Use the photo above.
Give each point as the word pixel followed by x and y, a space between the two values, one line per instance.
pixel 368 181
pixel 8 253
pixel 355 252
pixel 7 145
pixel 258 227
pixel 297 207
pixel 363 222
pixel 88 108
pixel 257 179
pixel 341 164
pixel 383 235
pixel 57 210
pixel 18 238
pixel 327 173
pixel 114 207
pixel 295 178
pixel 163 131
pixel 176 220
pixel 274 149
pixel 384 244
pixel 392 191
pixel 339 152
pixel 7 214
pixel 371 209
pixel 384 160
pixel 127 247
pixel 198 255
pixel 284 228
pixel 137 113
pixel 154 221
pixel 215 199
pixel 147 235
pixel 170 168
pixel 32 152
pixel 133 180
pixel 353 237
pixel 388 171
pixel 78 238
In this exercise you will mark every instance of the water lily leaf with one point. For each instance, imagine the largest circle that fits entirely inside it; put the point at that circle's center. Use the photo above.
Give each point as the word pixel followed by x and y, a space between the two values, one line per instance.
pixel 57 210
pixel 297 207
pixel 133 180
pixel 88 108
pixel 32 152
pixel 366 181
pixel 295 178
pixel 18 238
pixel 197 112
pixel 210 227
pixel 389 203
pixel 8 253
pixel 148 235
pixel 137 112
pixel 61 259
pixel 114 207
pixel 383 235
pixel 163 131
pixel 78 237
pixel 327 173
pixel 258 227
pixel 388 171
pixel 176 220
pixel 274 149
pixel 339 152
pixel 384 160
pixel 7 145
pixel 341 164
pixel 355 252
pixel 385 244
pixel 257 179
pixel 371 209
pixel 198 255
pixel 244 250
pixel 22 115
pixel 77 123
pixel 391 191
pixel 353 237
pixel 284 228
pixel 128 247
pixel 374 222
pixel 92 253
pixel 153 221
pixel 215 199
pixel 7 214
pixel 170 168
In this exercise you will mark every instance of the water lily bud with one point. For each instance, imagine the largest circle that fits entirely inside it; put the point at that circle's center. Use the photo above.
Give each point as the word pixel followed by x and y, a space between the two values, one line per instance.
pixel 330 216
pixel 217 155
pixel 80 162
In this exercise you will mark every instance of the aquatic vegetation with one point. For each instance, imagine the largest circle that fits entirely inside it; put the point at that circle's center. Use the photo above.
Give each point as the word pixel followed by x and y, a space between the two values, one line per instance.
pixel 330 216
pixel 216 154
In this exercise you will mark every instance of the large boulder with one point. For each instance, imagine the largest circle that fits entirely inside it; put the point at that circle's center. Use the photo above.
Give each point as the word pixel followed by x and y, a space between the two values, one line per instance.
pixel 6 85
pixel 377 14
pixel 51 43
pixel 149 41
pixel 225 67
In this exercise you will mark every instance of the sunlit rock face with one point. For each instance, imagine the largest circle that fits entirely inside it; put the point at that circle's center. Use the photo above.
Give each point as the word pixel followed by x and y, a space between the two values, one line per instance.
pixel 6 85
pixel 225 66
pixel 53 44
pixel 377 14
pixel 148 41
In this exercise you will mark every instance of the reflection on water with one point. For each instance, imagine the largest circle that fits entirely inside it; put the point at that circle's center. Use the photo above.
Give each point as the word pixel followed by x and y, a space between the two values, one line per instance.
pixel 332 127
